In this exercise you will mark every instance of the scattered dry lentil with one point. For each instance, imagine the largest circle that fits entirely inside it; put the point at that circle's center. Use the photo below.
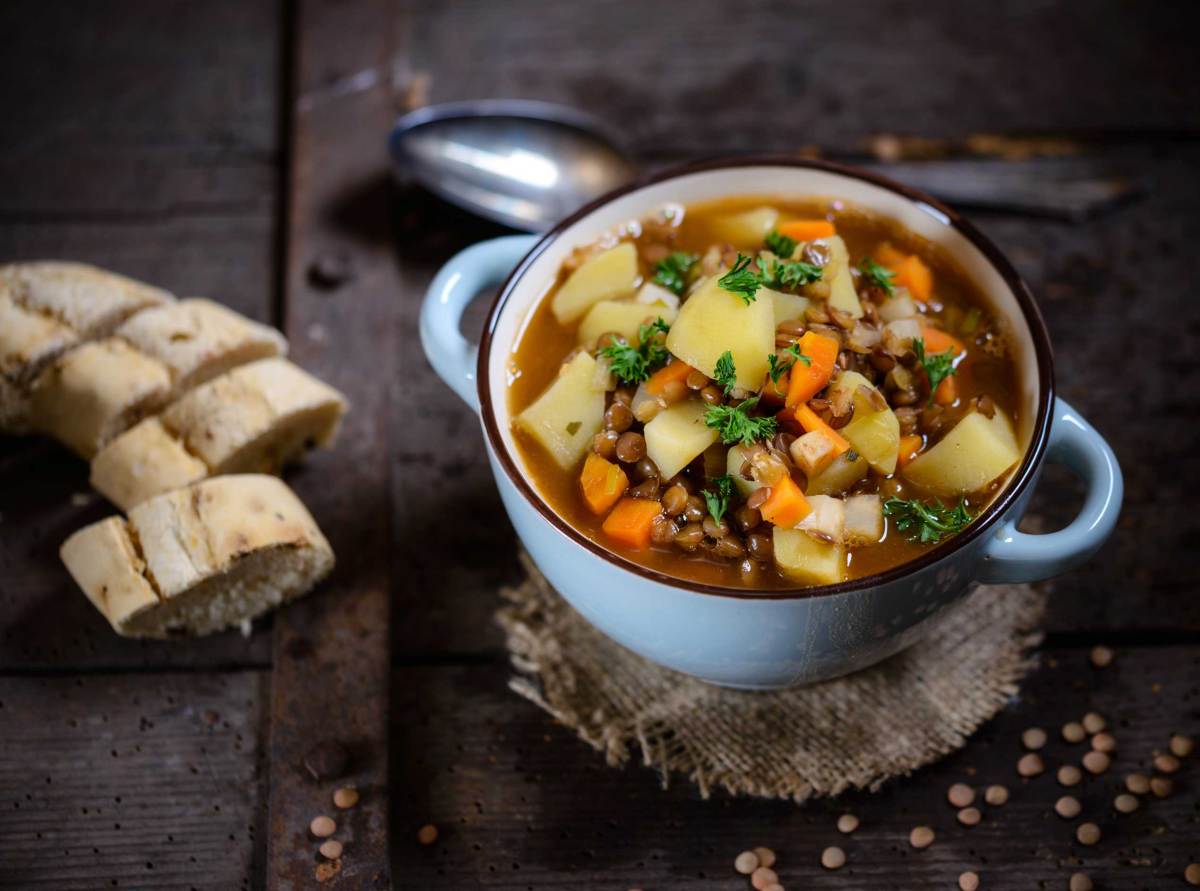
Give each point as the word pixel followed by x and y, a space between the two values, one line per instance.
pixel 1073 732
pixel 1087 833
pixel 1069 775
pixel 331 849
pixel 833 858
pixel 1191 875
pixel 960 795
pixel 427 834
pixel 1080 881
pixel 847 823
pixel 1161 786
pixel 1126 803
pixel 969 816
pixel 1030 765
pixel 968 881
pixel 996 795
pixel 762 877
pixel 1033 738
pixel 766 857
pixel 1102 656
pixel 921 837
pixel 1104 742
pixel 1068 807
pixel 1093 722
pixel 345 797
pixel 1096 762
pixel 1166 763
pixel 322 826
pixel 1182 746
pixel 746 862
pixel 1137 783
pixel 327 869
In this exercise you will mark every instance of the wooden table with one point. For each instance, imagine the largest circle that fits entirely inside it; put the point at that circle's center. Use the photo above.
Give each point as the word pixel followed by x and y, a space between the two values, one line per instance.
pixel 225 148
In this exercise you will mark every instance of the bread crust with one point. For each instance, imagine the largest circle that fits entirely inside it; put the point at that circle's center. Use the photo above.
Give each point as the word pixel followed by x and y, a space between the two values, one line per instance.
pixel 90 301
pixel 144 461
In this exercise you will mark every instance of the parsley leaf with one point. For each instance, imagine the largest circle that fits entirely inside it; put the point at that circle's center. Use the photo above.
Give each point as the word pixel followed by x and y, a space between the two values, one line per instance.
pixel 779 366
pixel 794 273
pixel 741 280
pixel 779 244
pixel 880 276
pixel 734 424
pixel 672 272
pixel 939 366
pixel 718 501
pixel 632 364
pixel 725 373
pixel 927 522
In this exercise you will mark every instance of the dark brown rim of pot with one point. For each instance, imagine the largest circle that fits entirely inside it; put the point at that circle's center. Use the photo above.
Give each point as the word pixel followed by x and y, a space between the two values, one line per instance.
pixel 1012 492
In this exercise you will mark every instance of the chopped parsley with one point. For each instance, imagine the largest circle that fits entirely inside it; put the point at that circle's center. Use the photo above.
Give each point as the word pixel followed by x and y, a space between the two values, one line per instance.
pixel 725 373
pixel 778 364
pixel 741 280
pixel 880 276
pixel 939 366
pixel 734 423
pixel 927 522
pixel 779 244
pixel 718 501
pixel 672 272
pixel 632 364
pixel 794 273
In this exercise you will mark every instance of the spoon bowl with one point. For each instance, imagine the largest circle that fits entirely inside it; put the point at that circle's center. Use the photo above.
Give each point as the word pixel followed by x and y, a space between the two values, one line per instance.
pixel 521 163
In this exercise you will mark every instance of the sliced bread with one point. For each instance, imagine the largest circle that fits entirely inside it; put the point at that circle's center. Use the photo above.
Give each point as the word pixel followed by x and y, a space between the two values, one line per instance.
pixel 253 419
pixel 29 342
pixel 200 559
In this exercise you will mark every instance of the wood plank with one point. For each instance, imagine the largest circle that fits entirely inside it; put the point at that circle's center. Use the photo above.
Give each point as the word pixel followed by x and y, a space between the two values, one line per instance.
pixel 521 804
pixel 331 650
pixel 157 158
pixel 132 781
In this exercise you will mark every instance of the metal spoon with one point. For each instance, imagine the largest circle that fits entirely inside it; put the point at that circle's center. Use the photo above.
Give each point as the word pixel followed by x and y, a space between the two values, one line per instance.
pixel 530 164
pixel 521 163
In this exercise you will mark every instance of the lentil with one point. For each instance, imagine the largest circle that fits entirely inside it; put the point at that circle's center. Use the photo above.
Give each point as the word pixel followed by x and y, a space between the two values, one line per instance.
pixel 1137 783
pixel 1126 803
pixel 766 857
pixel 1096 762
pixel 331 849
pixel 833 858
pixel 1068 807
pixel 1069 775
pixel 1104 742
pixel 346 797
pixel 762 877
pixel 696 380
pixel 1182 746
pixel 1080 882
pixel 968 881
pixel 847 823
pixel 746 862
pixel 1166 763
pixel 996 795
pixel 1033 738
pixel 1191 874
pixel 1087 833
pixel 674 500
pixel 605 444
pixel 631 447
pixel 1030 765
pixel 960 795
pixel 618 417
pixel 969 816
pixel 1161 786
pixel 427 834
pixel 1102 657
pixel 1093 722
pixel 921 837
pixel 322 826
pixel 1073 732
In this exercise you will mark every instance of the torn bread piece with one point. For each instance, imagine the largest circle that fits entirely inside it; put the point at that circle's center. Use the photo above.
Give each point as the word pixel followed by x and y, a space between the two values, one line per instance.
pixel 198 339
pixel 200 559
pixel 254 419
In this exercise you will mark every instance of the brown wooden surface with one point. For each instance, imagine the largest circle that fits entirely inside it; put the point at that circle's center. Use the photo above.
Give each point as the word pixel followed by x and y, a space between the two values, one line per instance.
pixel 147 137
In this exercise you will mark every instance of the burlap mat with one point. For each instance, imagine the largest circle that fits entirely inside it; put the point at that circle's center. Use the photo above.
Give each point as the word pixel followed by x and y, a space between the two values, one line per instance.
pixel 853 732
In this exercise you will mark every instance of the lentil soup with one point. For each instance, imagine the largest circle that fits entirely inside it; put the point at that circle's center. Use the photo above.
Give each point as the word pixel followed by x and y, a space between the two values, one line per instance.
pixel 765 393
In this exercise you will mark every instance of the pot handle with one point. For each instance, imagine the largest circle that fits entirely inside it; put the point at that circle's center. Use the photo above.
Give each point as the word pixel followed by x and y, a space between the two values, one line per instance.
pixel 465 276
pixel 1015 557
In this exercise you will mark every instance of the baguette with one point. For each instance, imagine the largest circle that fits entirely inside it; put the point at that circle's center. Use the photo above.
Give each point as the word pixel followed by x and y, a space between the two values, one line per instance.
pixel 28 343
pixel 254 419
pixel 200 559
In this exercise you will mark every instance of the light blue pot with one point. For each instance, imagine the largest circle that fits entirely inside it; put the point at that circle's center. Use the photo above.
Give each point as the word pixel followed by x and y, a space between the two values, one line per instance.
pixel 769 639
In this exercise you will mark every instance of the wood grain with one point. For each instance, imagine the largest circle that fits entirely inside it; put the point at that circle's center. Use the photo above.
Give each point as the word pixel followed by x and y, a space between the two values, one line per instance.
pixel 132 781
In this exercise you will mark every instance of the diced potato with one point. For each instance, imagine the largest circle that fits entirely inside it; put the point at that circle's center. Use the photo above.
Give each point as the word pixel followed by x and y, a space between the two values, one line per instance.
pixel 899 307
pixel 874 432
pixel 712 321
pixel 977 451
pixel 813 452
pixel 571 411
pixel 653 294
pixel 904 330
pixel 787 306
pixel 622 316
pixel 864 519
pixel 677 435
pixel 841 284
pixel 734 459
pixel 610 275
pixel 746 229
pixel 827 520
pixel 808 560
pixel 846 470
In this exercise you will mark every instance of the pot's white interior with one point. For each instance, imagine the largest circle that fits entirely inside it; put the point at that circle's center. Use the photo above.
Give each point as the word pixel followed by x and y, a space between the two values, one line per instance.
pixel 922 219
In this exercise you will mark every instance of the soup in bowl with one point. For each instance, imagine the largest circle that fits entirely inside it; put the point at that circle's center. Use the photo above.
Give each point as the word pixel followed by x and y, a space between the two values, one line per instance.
pixel 763 421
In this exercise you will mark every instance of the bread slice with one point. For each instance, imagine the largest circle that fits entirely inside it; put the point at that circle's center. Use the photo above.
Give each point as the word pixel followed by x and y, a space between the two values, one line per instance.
pixel 198 339
pixel 29 342
pixel 90 301
pixel 254 419
pixel 200 559
pixel 91 394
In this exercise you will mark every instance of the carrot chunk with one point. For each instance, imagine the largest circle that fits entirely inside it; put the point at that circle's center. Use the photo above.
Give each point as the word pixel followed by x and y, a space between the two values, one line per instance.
pixel 910 447
pixel 805 381
pixel 603 483
pixel 812 423
pixel 676 371
pixel 775 393
pixel 631 520
pixel 786 505
pixel 911 271
pixel 946 392
pixel 938 341
pixel 808 230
